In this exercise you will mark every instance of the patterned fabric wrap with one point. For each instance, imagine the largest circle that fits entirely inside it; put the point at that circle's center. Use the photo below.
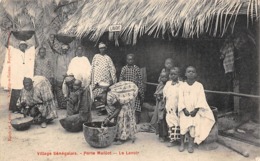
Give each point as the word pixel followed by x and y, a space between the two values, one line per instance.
pixel 125 93
pixel 174 133
pixel 103 70
pixel 126 122
pixel 41 97
pixel 122 92
pixel 133 74
pixel 43 67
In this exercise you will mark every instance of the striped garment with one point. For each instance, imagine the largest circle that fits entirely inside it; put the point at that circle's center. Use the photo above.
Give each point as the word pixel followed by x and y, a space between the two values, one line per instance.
pixel 133 74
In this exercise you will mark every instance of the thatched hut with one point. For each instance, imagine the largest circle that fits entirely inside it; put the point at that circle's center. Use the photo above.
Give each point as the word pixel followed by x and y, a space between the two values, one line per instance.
pixel 191 32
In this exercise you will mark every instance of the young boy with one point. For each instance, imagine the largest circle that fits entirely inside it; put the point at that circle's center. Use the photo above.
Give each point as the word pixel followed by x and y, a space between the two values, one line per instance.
pixel 74 99
pixel 168 64
pixel 171 95
pixel 196 117
pixel 158 119
pixel 132 73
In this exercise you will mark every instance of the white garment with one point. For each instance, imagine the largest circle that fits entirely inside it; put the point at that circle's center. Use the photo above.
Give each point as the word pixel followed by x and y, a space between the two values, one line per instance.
pixel 81 69
pixel 191 97
pixel 171 95
pixel 17 65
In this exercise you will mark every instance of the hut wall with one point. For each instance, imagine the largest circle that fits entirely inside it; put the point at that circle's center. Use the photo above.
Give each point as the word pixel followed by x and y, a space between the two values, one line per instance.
pixel 202 54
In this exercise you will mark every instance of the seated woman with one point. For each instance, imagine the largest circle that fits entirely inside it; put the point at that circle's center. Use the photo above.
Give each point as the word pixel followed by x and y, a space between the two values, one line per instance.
pixel 78 98
pixel 37 100
pixel 120 103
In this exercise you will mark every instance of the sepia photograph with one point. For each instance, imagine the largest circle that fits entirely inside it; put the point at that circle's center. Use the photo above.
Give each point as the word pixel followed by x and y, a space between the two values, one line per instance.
pixel 128 80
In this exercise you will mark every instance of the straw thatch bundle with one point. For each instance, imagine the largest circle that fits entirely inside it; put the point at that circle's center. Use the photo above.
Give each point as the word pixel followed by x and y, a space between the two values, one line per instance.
pixel 186 18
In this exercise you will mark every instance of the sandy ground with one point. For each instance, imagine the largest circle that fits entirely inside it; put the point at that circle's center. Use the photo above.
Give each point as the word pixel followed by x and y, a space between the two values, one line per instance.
pixel 26 145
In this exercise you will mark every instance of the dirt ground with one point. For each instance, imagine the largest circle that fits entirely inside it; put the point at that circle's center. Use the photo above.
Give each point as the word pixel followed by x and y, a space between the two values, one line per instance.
pixel 53 142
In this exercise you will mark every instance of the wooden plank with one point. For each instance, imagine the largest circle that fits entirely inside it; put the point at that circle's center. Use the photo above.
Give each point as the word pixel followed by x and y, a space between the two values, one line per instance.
pixel 219 92
pixel 234 145
pixel 241 137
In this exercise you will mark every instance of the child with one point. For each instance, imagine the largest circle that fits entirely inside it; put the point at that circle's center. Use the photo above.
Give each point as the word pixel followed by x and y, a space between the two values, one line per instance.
pixel 43 65
pixel 74 99
pixel 196 117
pixel 132 73
pixel 159 113
pixel 168 64
pixel 171 95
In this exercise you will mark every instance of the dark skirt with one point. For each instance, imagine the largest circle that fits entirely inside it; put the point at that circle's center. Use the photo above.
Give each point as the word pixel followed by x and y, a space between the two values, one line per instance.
pixel 15 94
pixel 163 128
pixel 62 104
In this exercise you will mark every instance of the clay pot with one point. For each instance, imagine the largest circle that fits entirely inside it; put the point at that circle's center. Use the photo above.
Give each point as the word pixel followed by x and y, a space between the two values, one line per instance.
pixel 97 136
pixel 23 35
pixel 22 123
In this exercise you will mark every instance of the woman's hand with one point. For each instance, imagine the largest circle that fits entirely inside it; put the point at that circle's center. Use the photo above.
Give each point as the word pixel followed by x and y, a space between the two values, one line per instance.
pixel 106 121
pixel 23 104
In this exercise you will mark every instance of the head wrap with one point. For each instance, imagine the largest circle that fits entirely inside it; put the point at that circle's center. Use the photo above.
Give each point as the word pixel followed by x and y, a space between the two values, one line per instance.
pixel 64 46
pixel 22 42
pixel 102 45
pixel 69 78
pixel 78 82
pixel 27 80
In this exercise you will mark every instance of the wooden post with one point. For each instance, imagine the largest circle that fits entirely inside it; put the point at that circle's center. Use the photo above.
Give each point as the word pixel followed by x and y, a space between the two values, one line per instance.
pixel 236 99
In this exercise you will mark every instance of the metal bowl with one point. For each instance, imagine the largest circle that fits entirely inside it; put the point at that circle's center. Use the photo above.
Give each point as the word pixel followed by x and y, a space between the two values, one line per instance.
pixel 22 123
pixel 23 35
pixel 72 123
pixel 97 136
pixel 66 39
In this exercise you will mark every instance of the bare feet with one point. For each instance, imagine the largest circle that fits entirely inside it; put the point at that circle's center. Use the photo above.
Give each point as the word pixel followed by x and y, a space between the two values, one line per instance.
pixel 181 147
pixel 118 142
pixel 190 147
pixel 171 144
pixel 161 139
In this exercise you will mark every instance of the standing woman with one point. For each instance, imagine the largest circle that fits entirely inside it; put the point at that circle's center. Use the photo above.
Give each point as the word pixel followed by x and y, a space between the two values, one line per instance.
pixel 120 100
pixel 60 71
pixel 103 70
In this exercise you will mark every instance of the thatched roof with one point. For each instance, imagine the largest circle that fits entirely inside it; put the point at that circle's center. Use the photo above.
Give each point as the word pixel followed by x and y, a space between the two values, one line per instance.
pixel 188 18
